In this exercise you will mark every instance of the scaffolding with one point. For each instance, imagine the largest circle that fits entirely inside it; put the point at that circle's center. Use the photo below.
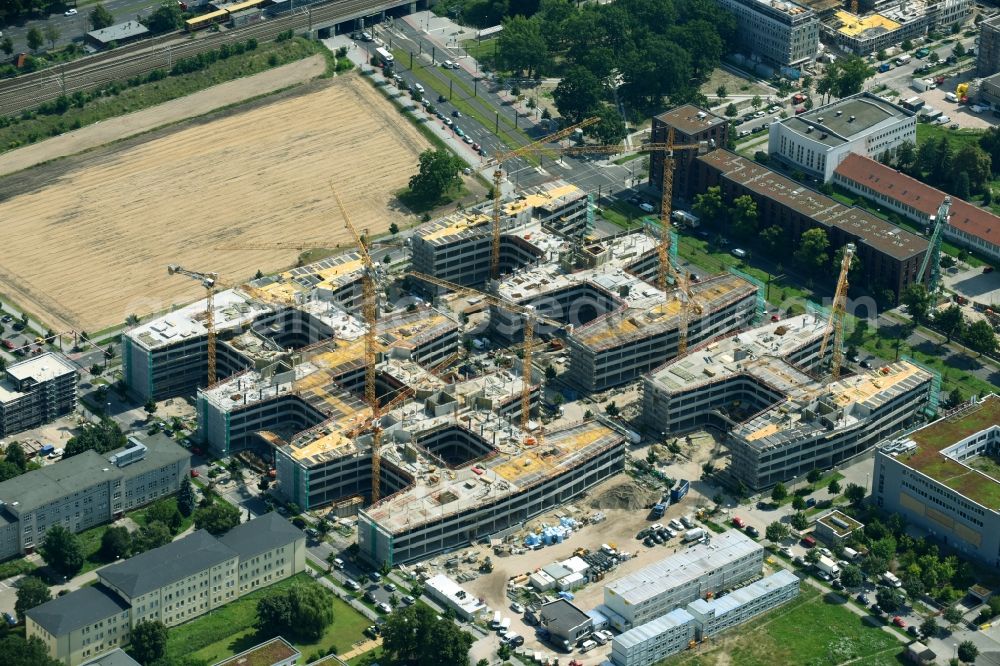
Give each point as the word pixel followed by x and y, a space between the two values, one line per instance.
pixel 934 399
pixel 761 306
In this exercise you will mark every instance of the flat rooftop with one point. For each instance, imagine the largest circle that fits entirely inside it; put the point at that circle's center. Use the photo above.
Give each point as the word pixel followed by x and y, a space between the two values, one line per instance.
pixel 42 368
pixel 269 653
pixel 234 309
pixel 690 119
pixel 745 595
pixel 687 565
pixel 930 456
pixel 825 211
pixel 517 220
pixel 635 636
pixel 829 519
pixel 296 285
pixel 852 25
pixel 516 466
pixel 846 119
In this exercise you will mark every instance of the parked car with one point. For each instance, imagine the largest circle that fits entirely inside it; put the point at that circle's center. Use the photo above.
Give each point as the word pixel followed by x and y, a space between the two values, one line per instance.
pixel 390 587
pixel 70 12
pixel 456 114
pixel 408 600
pixel 647 207
pixel 517 608
pixel 383 607
pixel 739 522
pixel 753 531
pixel 899 622
pixel 862 598
pixel 352 584
pixel 375 576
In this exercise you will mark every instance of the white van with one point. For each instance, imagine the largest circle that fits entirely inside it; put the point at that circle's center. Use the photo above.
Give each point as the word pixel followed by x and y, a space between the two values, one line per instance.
pixel 495 622
pixel 587 646
pixel 951 97
pixel 738 253
pixel 419 88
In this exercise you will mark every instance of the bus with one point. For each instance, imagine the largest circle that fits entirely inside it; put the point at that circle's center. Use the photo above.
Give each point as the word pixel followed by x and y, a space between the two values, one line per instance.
pixel 205 20
pixel 384 55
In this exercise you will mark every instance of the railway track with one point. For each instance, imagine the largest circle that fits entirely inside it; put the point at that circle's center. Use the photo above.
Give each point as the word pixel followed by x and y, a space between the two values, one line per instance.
pixel 29 91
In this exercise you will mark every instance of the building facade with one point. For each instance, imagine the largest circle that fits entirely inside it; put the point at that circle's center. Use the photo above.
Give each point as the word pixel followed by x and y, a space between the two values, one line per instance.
pixel 87 490
pixel 988 56
pixel 932 479
pixel 782 33
pixel 35 391
pixel 171 584
pixel 817 141
pixel 691 126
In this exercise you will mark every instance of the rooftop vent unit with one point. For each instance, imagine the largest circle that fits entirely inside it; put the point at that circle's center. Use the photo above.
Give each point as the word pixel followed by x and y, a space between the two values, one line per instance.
pixel 809 129
pixel 820 119
pixel 851 119
pixel 839 112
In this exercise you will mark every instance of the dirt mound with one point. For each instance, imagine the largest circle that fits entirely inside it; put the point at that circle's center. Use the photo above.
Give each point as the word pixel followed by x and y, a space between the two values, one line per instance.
pixel 625 495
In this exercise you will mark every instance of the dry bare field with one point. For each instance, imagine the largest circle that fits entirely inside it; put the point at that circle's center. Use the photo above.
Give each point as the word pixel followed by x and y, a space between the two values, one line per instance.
pixel 87 239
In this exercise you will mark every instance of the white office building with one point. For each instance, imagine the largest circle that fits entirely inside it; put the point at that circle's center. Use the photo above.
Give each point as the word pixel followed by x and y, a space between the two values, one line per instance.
pixel 815 142
pixel 782 33
pixel 724 562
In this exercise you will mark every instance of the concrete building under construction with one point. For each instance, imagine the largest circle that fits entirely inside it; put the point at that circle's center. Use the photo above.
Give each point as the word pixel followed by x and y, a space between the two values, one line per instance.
pixel 758 388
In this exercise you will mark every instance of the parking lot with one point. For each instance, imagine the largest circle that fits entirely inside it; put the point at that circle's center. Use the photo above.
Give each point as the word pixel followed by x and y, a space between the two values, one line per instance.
pixel 975 285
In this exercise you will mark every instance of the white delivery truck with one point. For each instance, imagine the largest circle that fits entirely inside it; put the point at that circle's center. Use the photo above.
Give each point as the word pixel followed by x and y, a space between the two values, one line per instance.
pixel 890 579
pixel 693 535
pixel 903 59
pixel 824 563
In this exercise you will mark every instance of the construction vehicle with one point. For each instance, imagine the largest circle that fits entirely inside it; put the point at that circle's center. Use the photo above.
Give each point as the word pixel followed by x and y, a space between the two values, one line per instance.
pixel 530 317
pixel 369 310
pixel 838 312
pixel 498 161
pixel 486 566
pixel 209 281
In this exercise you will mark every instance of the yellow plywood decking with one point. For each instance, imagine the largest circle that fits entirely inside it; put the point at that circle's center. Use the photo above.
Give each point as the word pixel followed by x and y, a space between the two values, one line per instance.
pixel 854 25
pixel 531 462
pixel 285 288
pixel 543 198
pixel 864 390
pixel 328 443
pixel 457 226
pixel 766 431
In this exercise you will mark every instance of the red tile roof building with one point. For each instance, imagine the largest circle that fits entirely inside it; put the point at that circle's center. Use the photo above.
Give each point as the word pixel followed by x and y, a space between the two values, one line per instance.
pixel 969 226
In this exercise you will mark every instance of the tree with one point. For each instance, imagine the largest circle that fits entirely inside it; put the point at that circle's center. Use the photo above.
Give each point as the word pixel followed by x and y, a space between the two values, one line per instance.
pixel 929 627
pixel 393 228
pixel 165 18
pixel 950 321
pixel 811 253
pixel 799 520
pixel 185 498
pixel 7 45
pixel 150 536
pixel 150 407
pixel 115 544
pixel 847 76
pixel 577 95
pixel 772 237
pixel 51 34
pixel 611 128
pixel 721 92
pixel 521 46
pixel 165 511
pixel 302 611
pixel 9 471
pixel 35 39
pixel 61 550
pixel 218 518
pixel 814 475
pixel 731 110
pixel 17 651
pixel 102 437
pixel 31 592
pixel 798 503
pixel 833 487
pixel 756 102
pixel 917 301
pixel 934 57
pixel 812 556
pixel 990 142
pixel 416 636
pixel 952 615
pixel 437 176
pixel 955 398
pixel 976 163
pixel 100 17
pixel 744 216
pixel 709 207
pixel 967 651
pixel 149 641
pixel 851 576
pixel 907 45
pixel 14 455
pixel 612 409
pixel 779 492
pixel 980 337
pixel 888 599
pixel 854 493
pixel 776 532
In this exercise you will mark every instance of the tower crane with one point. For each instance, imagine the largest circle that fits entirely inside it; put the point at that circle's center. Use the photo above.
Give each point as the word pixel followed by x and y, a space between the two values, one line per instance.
pixel 208 280
pixel 531 317
pixel 932 258
pixel 369 310
pixel 838 312
pixel 498 161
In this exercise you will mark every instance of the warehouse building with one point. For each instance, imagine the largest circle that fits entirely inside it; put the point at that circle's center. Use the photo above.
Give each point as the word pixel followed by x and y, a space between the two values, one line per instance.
pixel 817 141
pixel 692 126
pixel 35 391
pixel 565 621
pixel 890 257
pixel 170 584
pixel 942 479
pixel 116 35
pixel 450 594
pixel 657 639
pixel 779 421
pixel 727 560
pixel 87 490
pixel 781 33
pixel 969 226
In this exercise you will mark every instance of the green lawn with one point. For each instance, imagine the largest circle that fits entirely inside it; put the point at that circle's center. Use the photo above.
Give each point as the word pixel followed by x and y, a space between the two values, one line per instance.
pixel 482 51
pixel 229 630
pixel 808 630
pixel 819 485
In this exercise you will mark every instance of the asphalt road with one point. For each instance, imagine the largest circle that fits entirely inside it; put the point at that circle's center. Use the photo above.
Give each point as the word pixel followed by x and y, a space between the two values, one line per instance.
pixel 73 28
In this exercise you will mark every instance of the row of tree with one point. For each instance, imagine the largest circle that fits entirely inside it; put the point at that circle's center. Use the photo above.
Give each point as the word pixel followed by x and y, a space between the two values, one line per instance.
pixel 964 172
pixel 951 321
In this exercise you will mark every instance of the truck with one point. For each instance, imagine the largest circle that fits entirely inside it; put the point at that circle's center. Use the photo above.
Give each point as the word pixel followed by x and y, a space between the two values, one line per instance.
pixel 891 580
pixel 824 563
pixel 913 104
pixel 658 510
pixel 688 521
pixel 884 67
pixel 903 59
pixel 682 217
pixel 850 554
pixel 693 535
pixel 922 85
pixel 679 490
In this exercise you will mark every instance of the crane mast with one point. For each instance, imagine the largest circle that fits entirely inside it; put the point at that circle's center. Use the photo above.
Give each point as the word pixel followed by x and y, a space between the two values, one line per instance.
pixel 838 312
pixel 208 280
pixel 932 258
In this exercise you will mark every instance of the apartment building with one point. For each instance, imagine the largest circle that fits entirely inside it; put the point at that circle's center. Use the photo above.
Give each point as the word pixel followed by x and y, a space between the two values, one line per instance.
pixel 781 422
pixel 171 584
pixel 87 490
pixel 817 141
pixel 35 391
pixel 940 478
pixel 727 560
pixel 691 126
pixel 781 33
pixel 969 226
pixel 890 256
pixel 988 56
pixel 868 34
pixel 650 643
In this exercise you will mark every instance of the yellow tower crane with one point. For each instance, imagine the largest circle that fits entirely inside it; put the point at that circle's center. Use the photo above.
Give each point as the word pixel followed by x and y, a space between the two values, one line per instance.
pixel 530 316
pixel 498 162
pixel 838 312
pixel 369 311
pixel 209 281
